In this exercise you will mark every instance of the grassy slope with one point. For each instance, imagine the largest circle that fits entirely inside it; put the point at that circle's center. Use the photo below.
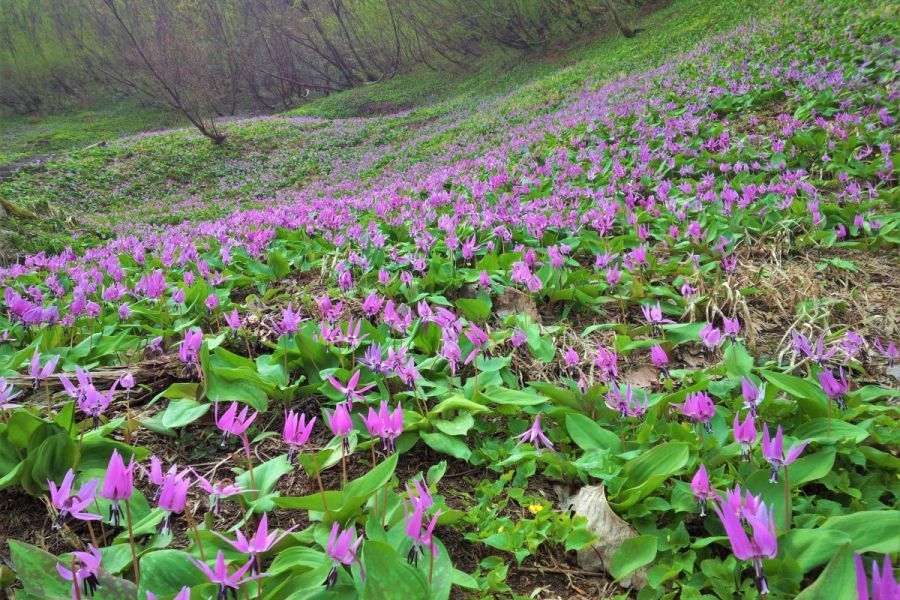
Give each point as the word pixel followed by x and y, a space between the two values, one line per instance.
pixel 178 175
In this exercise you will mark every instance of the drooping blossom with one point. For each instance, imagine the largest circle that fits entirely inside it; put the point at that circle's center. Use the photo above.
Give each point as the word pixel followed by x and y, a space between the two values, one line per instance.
pixel 421 538
pixel 744 433
pixel 340 422
pixel 85 577
pixel 478 338
pixel 753 395
pixel 391 424
pixel 172 498
pixel 118 484
pixel 228 584
pixel 341 549
pixel 654 315
pixel 698 407
pixel 607 361
pixel 762 543
pixel 659 359
pixel 535 435
pixel 260 542
pixel 39 373
pixel 69 503
pixel 296 432
pixel 701 490
pixel 711 337
pixel 773 451
pixel 218 490
pixel 890 351
pixel 742 506
pixel 233 320
pixel 350 391
pixel 126 381
pixel 834 388
pixel 189 351
pixel 290 321
pixel 804 347
pixel 233 423
pixel 7 394
pixel 732 327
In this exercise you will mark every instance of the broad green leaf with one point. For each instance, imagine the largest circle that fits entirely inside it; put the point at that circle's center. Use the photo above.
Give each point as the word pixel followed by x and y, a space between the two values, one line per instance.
pixel 589 435
pixel 446 444
pixel 838 580
pixel 871 531
pixel 389 575
pixel 633 554
pixel 165 572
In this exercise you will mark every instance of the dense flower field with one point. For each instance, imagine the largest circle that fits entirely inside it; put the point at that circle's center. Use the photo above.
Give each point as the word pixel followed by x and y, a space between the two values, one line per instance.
pixel 399 385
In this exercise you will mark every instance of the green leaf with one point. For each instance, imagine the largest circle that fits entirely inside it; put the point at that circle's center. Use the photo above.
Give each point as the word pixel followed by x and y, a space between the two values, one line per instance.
pixel 501 395
pixel 266 475
pixel 737 361
pixel 390 577
pixel 182 412
pixel 645 473
pixel 810 397
pixel 165 572
pixel 474 309
pixel 811 467
pixel 633 554
pixel 446 444
pixel 871 531
pixel 816 430
pixel 811 547
pixel 589 435
pixel 838 580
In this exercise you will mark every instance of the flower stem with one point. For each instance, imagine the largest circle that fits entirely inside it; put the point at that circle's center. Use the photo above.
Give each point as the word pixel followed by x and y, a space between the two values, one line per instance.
pixel 319 479
pixel 787 501
pixel 343 463
pixel 49 398
pixel 134 560
pixel 93 535
pixel 372 448
pixel 193 525
pixel 829 417
pixel 75 579
pixel 430 566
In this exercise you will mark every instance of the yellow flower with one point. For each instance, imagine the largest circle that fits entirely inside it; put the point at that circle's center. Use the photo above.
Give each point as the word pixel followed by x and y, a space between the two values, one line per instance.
pixel 535 508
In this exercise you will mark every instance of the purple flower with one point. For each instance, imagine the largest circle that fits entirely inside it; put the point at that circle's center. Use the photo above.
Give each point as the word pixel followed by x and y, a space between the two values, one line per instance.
pixel 744 433
pixel 350 391
pixel 478 338
pixel 420 539
pixel 233 319
pixel 711 337
pixel 701 490
pixel 607 361
pixel 518 337
pixel 762 544
pixel 803 346
pixel 6 394
pixel 232 423
pixel 262 541
pixel 296 432
pixel 535 435
pixel 69 504
pixel 391 424
pixel 172 498
pixel 87 570
pixel 39 373
pixel 189 351
pixel 659 359
pixel 218 490
pixel 219 575
pixel 752 395
pixel 890 352
pixel 884 586
pixel 118 484
pixel 732 327
pixel 698 407
pixel 773 451
pixel 571 357
pixel 290 321
pixel 341 549
pixel 834 388
pixel 340 423
pixel 654 316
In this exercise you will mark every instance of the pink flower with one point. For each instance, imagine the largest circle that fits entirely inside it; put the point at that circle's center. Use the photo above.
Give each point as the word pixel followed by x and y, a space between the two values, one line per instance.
pixel 700 488
pixel 69 504
pixel 341 549
pixel 296 432
pixel 773 451
pixel 219 575
pixel 745 434
pixel 350 390
pixel 118 484
pixel 86 573
pixel 233 423
pixel 535 435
